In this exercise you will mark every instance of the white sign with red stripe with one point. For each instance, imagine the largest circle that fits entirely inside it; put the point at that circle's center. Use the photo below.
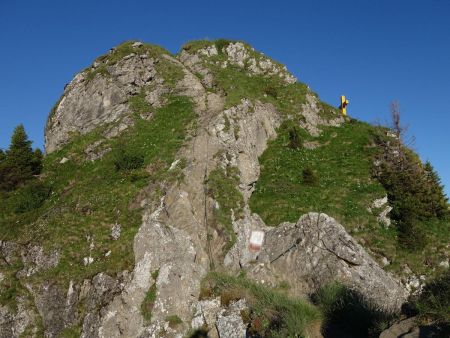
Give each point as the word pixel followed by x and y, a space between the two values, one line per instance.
pixel 256 240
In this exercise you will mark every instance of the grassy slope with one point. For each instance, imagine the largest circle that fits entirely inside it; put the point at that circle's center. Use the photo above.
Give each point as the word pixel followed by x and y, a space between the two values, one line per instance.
pixel 343 164
pixel 89 197
pixel 345 187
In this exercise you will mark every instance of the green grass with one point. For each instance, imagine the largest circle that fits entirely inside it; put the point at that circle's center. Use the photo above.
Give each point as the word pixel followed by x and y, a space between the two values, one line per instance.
pixel 222 186
pixel 138 104
pixel 194 46
pixel 71 332
pixel 149 300
pixel 173 320
pixel 89 197
pixel 272 313
pixel 239 84
pixel 342 165
pixel 434 302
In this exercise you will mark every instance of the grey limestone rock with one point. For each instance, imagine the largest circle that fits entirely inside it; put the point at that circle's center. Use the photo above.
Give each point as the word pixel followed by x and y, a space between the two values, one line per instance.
pixel 35 259
pixel 88 103
pixel 317 250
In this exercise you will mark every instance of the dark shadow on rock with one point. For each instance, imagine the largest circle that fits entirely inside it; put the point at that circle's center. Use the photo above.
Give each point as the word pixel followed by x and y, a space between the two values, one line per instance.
pixel 349 315
pixel 199 334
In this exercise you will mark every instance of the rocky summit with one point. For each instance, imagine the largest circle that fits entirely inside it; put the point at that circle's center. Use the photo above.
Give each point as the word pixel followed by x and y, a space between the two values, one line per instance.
pixel 162 166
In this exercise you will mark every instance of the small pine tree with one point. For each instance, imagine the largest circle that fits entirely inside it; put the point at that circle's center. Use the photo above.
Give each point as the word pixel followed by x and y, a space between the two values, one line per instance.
pixel 20 163
pixel 2 155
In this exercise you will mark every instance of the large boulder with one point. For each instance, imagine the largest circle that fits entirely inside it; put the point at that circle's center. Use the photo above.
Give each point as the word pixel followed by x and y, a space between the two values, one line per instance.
pixel 313 252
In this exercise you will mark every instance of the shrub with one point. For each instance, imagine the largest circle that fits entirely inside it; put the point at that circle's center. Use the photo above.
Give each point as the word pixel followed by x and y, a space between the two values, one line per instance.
pixel 271 91
pixel 30 197
pixel 309 176
pixel 127 160
pixel 294 139
pixel 434 301
pixel 221 44
pixel 150 298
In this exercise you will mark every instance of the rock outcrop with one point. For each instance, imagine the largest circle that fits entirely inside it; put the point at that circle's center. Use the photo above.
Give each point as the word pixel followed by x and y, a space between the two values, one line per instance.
pixel 178 242
pixel 313 252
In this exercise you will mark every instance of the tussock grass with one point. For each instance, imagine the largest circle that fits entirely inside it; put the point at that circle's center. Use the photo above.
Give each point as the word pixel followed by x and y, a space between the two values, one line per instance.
pixel 272 313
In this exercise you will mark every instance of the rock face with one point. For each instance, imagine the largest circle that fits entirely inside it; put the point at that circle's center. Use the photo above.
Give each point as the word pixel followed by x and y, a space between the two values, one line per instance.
pixel 315 251
pixel 177 240
pixel 91 99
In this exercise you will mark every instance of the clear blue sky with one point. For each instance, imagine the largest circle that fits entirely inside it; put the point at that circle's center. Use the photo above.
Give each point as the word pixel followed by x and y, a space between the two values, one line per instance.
pixel 372 51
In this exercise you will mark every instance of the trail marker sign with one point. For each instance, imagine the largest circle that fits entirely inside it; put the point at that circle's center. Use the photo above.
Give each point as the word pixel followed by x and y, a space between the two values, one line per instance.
pixel 256 240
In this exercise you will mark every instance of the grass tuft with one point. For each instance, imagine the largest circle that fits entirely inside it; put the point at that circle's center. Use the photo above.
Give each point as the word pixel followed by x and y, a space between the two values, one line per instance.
pixel 272 313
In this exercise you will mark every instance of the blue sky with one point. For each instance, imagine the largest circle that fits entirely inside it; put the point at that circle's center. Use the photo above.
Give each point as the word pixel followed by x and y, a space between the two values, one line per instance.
pixel 372 51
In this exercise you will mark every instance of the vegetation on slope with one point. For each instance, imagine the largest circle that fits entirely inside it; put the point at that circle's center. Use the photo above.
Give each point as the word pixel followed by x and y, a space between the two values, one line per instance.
pixel 168 70
pixel 434 301
pixel 20 163
pixel 342 159
pixel 271 312
pixel 237 83
pixel 88 198
pixel 344 189
pixel 222 187
pixel 164 67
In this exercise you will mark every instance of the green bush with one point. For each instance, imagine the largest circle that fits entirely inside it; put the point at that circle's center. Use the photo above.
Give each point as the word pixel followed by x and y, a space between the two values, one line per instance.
pixel 30 197
pixel 221 44
pixel 309 176
pixel 127 160
pixel 272 91
pixel 434 301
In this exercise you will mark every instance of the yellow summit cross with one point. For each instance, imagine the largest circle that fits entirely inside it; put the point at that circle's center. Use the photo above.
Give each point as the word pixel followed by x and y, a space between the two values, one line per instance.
pixel 343 106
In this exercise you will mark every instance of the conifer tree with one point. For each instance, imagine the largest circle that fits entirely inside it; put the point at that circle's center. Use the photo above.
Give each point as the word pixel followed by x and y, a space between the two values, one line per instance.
pixel 435 192
pixel 20 163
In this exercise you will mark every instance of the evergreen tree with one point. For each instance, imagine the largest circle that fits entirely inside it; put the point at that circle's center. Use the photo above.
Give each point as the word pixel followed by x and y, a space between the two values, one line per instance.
pixel 437 201
pixel 37 161
pixel 2 155
pixel 20 163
